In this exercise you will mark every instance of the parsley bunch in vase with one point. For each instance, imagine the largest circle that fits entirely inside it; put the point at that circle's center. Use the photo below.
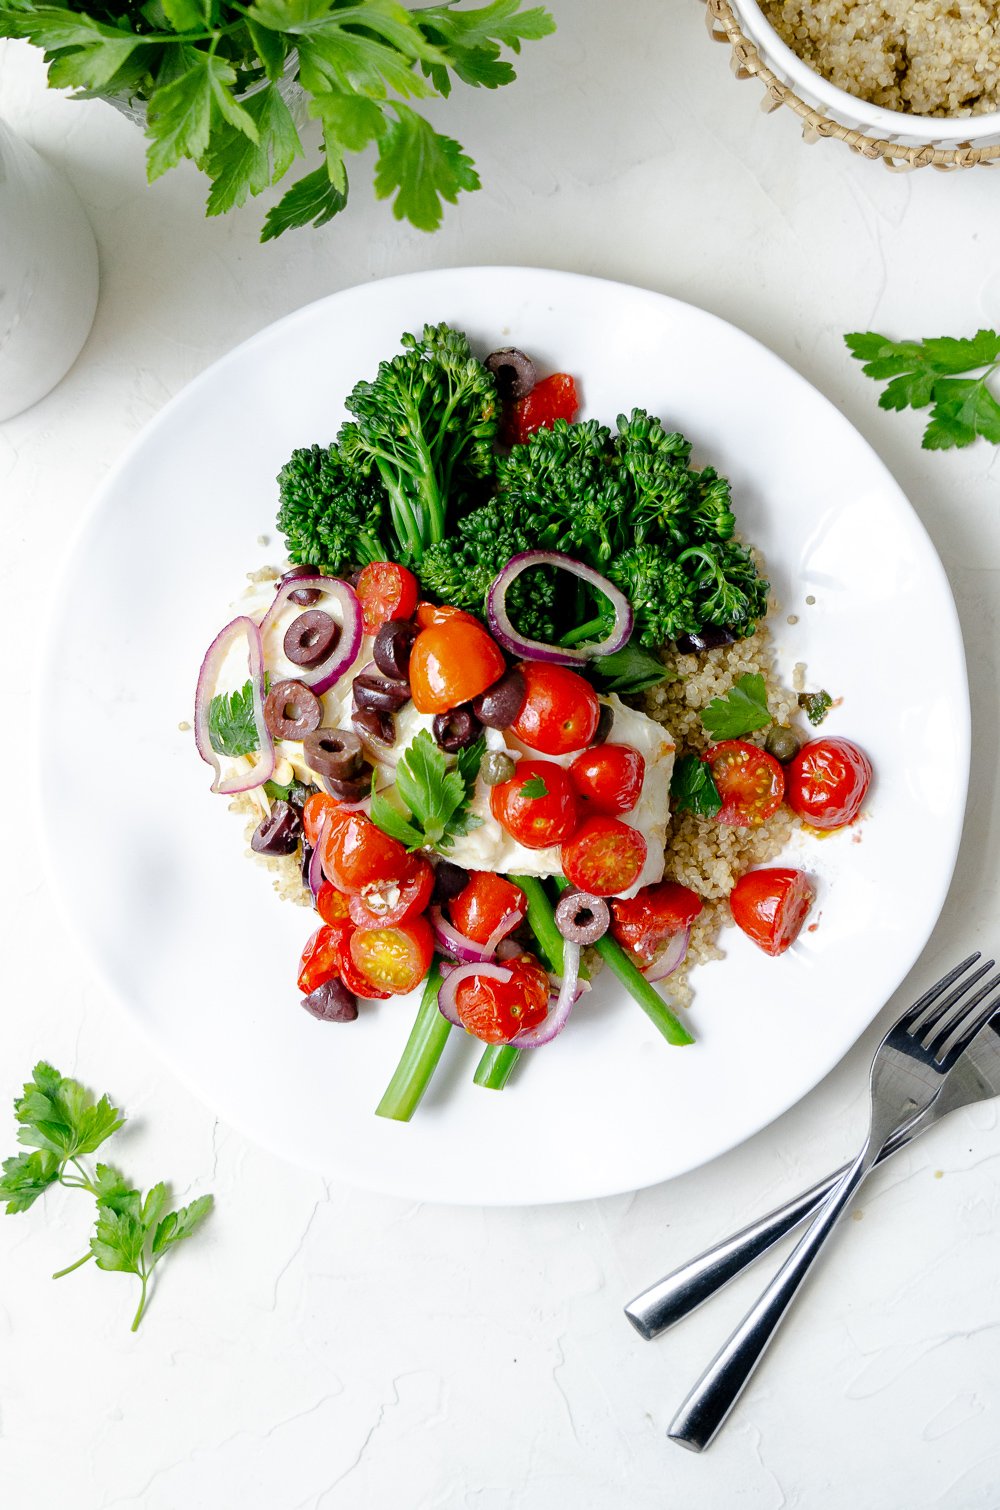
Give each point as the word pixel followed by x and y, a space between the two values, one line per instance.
pixel 230 86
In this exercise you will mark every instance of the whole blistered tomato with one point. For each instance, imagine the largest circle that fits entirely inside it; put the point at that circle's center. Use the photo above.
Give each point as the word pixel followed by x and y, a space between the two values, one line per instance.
pixel 355 853
pixel 828 781
pixel 394 959
pixel 385 591
pixel 536 806
pixel 496 1011
pixel 451 663
pixel 332 905
pixel 560 710
pixel 555 397
pixel 643 923
pixel 317 807
pixel 321 958
pixel 770 906
pixel 608 778
pixel 604 856
pixel 379 906
pixel 751 783
pixel 482 905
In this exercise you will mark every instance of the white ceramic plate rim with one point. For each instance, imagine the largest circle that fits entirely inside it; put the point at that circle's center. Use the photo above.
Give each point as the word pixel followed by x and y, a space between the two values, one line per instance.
pixel 567 290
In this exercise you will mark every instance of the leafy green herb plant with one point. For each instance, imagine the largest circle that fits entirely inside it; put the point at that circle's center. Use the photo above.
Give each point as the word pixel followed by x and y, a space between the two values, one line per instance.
pixel 928 373
pixel 60 1121
pixel 212 76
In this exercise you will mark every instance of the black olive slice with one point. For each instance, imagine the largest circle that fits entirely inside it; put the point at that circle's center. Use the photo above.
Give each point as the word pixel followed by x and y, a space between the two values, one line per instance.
pixel 310 638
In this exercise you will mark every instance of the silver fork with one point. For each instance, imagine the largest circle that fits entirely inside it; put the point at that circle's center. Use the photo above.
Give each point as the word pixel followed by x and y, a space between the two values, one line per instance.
pixel 908 1074
pixel 976 1077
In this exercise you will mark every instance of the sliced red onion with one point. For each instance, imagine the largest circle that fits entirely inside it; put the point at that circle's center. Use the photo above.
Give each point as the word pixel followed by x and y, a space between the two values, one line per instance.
pixel 668 959
pixel 455 944
pixel 539 650
pixel 321 678
pixel 242 780
pixel 316 876
pixel 447 996
pixel 560 1008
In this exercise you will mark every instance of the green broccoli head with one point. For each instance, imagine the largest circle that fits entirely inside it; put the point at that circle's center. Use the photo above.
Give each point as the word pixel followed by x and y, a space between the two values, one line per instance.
pixel 330 516
pixel 566 476
pixel 460 570
pixel 660 591
pixel 728 590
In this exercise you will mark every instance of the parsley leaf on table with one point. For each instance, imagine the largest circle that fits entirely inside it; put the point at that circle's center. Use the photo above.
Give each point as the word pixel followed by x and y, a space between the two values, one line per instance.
pixel 922 373
pixel 435 793
pixel 743 709
pixel 693 787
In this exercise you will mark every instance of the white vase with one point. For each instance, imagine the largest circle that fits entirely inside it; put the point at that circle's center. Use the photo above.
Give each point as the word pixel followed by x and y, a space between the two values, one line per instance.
pixel 48 275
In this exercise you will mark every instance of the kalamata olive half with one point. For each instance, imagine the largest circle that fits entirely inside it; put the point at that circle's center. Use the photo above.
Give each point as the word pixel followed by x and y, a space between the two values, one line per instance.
pixel 380 692
pixel 307 854
pixel 605 720
pixel 581 917
pixel 496 767
pixel 393 643
pixel 456 728
pixel 310 638
pixel 278 833
pixel 333 752
pixel 500 704
pixel 709 638
pixel 513 372
pixel 305 597
pixel 332 1002
pixel 375 727
pixel 449 880
pixel 353 788
pixel 291 711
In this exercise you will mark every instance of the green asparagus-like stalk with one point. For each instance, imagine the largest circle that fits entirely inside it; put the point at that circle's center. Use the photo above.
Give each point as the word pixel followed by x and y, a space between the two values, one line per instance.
pixel 495 1067
pixel 420 1056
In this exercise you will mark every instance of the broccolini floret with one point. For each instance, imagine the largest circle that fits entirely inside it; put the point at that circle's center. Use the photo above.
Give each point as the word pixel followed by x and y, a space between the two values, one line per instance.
pixel 460 570
pixel 329 516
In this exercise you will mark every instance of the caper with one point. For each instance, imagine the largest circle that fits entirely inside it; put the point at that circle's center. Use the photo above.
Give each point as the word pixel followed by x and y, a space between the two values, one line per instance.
pixel 783 743
pixel 496 767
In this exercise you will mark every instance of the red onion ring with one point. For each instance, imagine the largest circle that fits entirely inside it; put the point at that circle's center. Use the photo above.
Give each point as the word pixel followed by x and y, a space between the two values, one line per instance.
pixel 560 1008
pixel 538 650
pixel 320 679
pixel 457 946
pixel 668 959
pixel 316 876
pixel 208 675
pixel 447 1002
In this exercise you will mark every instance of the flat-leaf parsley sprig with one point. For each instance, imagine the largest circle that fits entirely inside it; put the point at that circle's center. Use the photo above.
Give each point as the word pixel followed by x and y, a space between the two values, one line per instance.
pixel 436 794
pixel 923 373
pixel 61 1122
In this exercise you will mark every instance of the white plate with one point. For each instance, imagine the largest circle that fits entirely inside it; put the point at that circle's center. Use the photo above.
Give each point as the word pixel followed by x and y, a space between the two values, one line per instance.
pixel 192 940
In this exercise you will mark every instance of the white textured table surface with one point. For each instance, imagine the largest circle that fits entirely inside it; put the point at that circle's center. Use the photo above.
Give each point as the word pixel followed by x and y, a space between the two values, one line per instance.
pixel 320 1347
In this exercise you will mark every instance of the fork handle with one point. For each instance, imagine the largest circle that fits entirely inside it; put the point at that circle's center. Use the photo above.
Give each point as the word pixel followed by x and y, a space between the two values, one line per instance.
pixel 722 1383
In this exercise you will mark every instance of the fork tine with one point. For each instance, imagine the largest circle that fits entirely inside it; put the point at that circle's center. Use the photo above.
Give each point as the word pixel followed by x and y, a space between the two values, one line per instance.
pixel 909 1018
pixel 940 1010
pixel 955 1038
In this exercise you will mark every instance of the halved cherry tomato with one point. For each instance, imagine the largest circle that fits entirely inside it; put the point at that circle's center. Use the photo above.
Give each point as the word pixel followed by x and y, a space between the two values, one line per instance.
pixel 317 806
pixel 385 591
pixel 608 778
pixel 771 905
pixel 394 959
pixel 751 783
pixel 481 907
pixel 355 854
pixel 545 813
pixel 828 781
pixel 428 614
pixel 451 663
pixel 352 977
pixel 496 1011
pixel 332 905
pixel 380 906
pixel 553 398
pixel 320 958
pixel 604 856
pixel 560 710
pixel 644 922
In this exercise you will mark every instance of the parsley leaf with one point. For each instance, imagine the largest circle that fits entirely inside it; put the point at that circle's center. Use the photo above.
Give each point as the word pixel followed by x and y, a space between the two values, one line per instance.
pixel 311 200
pixel 534 787
pixel 420 167
pixel 743 709
pixel 693 787
pixel 239 165
pixel 435 792
pixel 927 372
pixel 231 727
pixel 630 670
pixel 816 705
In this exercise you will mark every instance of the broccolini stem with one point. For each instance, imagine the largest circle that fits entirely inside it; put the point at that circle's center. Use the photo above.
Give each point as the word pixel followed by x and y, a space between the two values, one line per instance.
pixel 494 1069
pixel 583 632
pixel 420 1056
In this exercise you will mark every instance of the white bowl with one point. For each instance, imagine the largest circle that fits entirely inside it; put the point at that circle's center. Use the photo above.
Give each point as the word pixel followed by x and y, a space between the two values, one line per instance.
pixel 944 132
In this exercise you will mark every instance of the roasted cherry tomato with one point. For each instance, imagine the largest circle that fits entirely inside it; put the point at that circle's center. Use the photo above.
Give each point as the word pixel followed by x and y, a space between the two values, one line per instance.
pixel 496 1011
pixel 356 854
pixel 608 778
pixel 481 907
pixel 543 814
pixel 751 783
pixel 604 856
pixel 394 959
pixel 332 905
pixel 428 614
pixel 828 781
pixel 643 923
pixel 771 905
pixel 351 976
pixel 321 958
pixel 560 710
pixel 385 591
pixel 553 398
pixel 382 905
pixel 451 663
pixel 317 806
